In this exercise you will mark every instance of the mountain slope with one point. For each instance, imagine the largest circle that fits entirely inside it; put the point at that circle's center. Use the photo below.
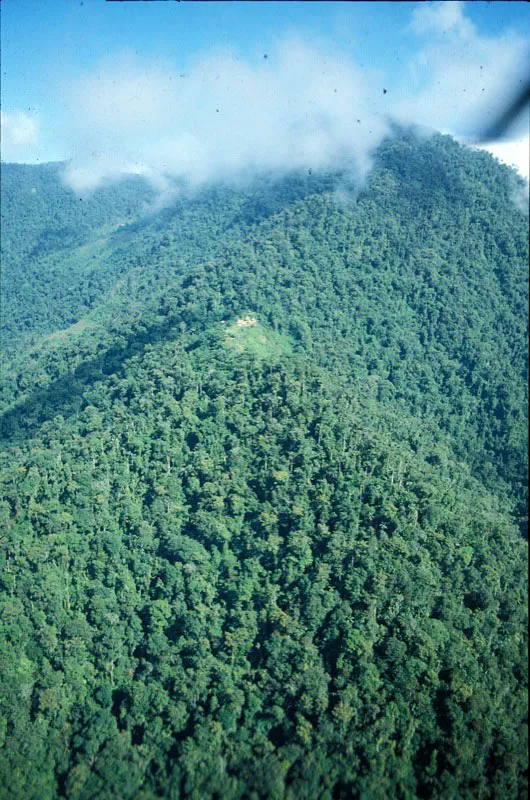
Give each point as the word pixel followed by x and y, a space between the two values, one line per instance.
pixel 261 505
pixel 419 284
pixel 63 255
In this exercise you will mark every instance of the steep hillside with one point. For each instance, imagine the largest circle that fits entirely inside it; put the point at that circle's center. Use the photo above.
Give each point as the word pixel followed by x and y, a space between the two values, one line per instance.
pixel 263 495
pixel 419 282
pixel 66 255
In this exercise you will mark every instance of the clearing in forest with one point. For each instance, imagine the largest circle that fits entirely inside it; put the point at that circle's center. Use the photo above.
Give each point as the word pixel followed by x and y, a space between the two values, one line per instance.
pixel 246 334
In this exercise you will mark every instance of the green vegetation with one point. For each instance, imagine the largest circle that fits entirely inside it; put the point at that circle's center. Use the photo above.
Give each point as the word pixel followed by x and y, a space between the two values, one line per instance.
pixel 246 334
pixel 262 491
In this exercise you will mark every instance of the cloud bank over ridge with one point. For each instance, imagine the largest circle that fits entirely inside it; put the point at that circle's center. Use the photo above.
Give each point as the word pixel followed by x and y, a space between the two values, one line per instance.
pixel 301 105
pixel 298 107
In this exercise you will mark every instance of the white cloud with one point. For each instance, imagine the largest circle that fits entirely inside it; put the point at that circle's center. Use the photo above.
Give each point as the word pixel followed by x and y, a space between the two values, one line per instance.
pixel 305 106
pixel 459 80
pixel 515 154
pixel 297 108
pixel 19 136
pixel 441 17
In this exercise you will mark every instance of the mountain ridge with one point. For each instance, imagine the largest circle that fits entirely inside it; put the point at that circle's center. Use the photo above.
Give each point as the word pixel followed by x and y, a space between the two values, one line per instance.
pixel 281 569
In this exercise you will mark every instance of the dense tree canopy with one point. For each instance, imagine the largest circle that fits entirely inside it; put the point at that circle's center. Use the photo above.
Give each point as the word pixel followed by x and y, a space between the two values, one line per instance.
pixel 262 487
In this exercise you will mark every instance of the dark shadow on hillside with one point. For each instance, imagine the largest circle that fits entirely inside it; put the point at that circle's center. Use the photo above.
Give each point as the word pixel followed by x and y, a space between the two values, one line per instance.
pixel 263 197
pixel 246 203
pixel 64 396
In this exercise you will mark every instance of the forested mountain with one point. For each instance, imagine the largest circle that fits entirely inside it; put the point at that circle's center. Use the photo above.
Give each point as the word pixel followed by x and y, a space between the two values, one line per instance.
pixel 264 463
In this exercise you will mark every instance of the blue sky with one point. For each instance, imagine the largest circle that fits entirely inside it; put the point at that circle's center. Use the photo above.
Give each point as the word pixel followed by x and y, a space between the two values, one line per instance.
pixel 71 68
